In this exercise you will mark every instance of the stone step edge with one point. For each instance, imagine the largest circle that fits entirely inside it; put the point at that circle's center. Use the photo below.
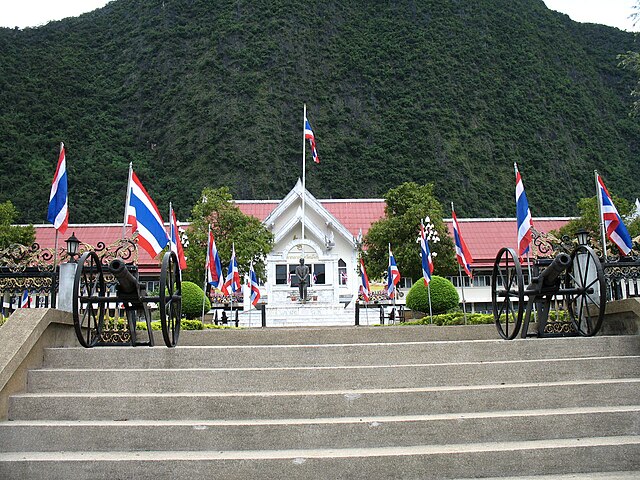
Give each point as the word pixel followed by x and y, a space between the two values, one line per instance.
pixel 302 454
pixel 346 392
pixel 457 343
pixel 626 475
pixel 330 420
pixel 340 367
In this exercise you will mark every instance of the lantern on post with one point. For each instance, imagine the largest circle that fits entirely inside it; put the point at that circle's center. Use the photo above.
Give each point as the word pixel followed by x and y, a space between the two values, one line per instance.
pixel 73 245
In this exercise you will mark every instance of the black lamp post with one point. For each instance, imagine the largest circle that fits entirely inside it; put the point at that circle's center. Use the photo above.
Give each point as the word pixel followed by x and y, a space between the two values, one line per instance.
pixel 72 247
pixel 583 237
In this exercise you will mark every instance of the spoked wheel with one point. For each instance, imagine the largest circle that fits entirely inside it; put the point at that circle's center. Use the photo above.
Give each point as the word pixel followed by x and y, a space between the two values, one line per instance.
pixel 587 297
pixel 88 308
pixel 507 288
pixel 170 299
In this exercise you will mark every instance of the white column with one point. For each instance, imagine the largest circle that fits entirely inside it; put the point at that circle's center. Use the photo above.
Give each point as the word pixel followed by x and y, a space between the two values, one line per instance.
pixel 65 287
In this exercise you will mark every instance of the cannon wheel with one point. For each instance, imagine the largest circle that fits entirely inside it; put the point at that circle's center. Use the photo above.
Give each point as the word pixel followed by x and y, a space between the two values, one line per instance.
pixel 170 299
pixel 586 276
pixel 88 311
pixel 507 285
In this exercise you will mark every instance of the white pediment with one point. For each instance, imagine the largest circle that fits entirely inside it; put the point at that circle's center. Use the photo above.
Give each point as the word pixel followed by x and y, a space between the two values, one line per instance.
pixel 288 214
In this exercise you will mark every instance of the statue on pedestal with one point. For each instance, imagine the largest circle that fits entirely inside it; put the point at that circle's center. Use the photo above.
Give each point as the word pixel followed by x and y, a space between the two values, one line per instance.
pixel 302 272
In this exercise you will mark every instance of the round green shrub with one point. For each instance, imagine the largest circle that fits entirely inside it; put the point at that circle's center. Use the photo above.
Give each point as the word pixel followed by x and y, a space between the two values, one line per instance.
pixel 192 296
pixel 444 296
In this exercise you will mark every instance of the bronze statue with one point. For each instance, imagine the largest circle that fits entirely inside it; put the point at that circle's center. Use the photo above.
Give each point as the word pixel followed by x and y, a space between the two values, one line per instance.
pixel 302 272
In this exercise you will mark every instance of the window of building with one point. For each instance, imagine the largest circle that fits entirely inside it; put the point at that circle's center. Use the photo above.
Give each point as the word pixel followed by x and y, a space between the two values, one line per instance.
pixel 152 286
pixel 318 274
pixel 342 272
pixel 281 275
pixel 406 282
pixel 466 281
pixel 482 281
pixel 286 274
pixel 293 278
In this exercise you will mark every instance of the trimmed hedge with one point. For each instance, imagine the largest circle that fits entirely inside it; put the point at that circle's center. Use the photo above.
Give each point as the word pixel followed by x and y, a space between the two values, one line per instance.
pixel 184 325
pixel 457 318
pixel 444 296
pixel 192 296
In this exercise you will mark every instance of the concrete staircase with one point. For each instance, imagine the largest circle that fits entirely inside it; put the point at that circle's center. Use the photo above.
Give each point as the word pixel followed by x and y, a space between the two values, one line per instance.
pixel 395 402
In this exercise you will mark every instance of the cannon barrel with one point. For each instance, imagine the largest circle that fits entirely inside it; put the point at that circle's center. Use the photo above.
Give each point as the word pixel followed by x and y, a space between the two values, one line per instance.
pixel 127 282
pixel 550 275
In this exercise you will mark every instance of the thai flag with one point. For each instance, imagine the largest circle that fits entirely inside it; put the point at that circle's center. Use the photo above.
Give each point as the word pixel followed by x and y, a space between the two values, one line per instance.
pixel 174 239
pixel 308 134
pixel 213 266
pixel 233 276
pixel 58 212
pixel 523 215
pixel 425 254
pixel 462 252
pixel 364 282
pixel 145 218
pixel 393 275
pixel 616 230
pixel 253 285
pixel 24 300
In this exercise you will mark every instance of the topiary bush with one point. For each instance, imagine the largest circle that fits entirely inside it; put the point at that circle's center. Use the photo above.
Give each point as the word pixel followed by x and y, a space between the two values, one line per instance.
pixel 192 296
pixel 444 296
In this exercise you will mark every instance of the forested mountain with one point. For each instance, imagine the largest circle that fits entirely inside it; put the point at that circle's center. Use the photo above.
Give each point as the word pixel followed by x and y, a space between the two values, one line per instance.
pixel 209 92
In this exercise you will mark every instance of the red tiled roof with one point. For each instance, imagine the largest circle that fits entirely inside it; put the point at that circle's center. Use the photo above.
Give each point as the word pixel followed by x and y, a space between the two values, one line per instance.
pixel 258 209
pixel 484 237
pixel 352 214
pixel 355 215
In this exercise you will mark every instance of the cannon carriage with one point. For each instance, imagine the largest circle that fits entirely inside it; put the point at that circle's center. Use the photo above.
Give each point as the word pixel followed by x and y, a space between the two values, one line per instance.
pixel 572 283
pixel 92 301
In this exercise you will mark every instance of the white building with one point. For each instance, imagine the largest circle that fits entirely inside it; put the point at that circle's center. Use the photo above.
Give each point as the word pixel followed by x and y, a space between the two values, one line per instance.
pixel 327 247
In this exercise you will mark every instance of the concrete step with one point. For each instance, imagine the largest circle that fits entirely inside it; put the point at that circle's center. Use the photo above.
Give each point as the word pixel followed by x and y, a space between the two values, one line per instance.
pixel 380 431
pixel 332 335
pixel 276 379
pixel 332 354
pixel 415 462
pixel 570 476
pixel 322 403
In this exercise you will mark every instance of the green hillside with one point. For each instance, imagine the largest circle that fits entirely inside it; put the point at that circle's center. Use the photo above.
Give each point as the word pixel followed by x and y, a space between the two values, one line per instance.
pixel 207 93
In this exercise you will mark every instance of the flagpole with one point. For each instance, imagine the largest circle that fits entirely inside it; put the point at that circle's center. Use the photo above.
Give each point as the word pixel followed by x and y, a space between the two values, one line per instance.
pixel 170 229
pixel 304 170
pixel 251 306
pixel 126 202
pixel 515 168
pixel 430 309
pixel 233 246
pixel 206 261
pixel 464 303
pixel 55 241
pixel 602 232
pixel 55 250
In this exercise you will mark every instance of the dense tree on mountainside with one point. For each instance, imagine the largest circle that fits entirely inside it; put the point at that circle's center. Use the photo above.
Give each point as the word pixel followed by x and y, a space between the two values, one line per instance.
pixel 406 206
pixel 229 226
pixel 9 233
pixel 631 61
pixel 208 94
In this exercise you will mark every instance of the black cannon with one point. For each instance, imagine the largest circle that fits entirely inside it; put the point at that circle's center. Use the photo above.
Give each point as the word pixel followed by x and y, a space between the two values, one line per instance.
pixel 573 283
pixel 92 302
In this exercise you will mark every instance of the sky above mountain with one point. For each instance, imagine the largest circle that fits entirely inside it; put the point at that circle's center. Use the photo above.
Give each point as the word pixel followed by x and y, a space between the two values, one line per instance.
pixel 33 13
